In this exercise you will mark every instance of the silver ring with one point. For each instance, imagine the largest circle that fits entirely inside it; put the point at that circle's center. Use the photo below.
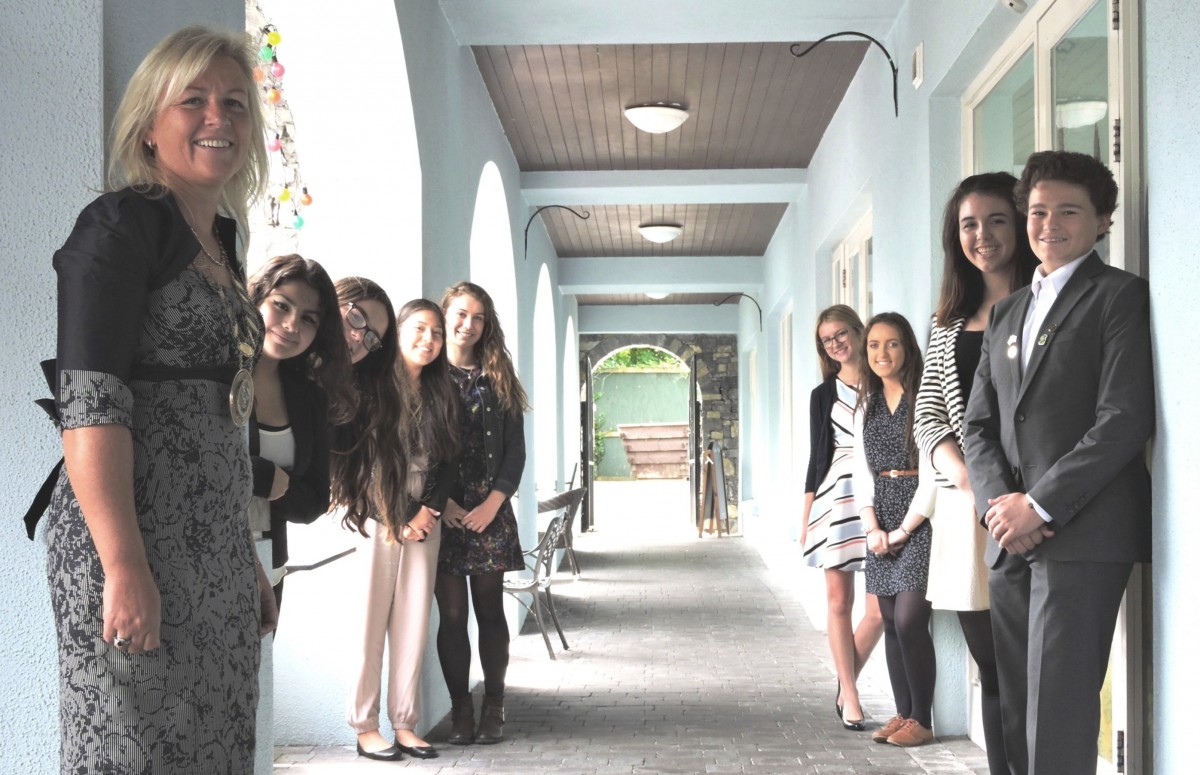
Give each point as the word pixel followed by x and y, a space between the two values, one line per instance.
pixel 119 642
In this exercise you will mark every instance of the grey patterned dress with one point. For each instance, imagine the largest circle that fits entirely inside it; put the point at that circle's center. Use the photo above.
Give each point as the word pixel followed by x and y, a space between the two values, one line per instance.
pixel 188 706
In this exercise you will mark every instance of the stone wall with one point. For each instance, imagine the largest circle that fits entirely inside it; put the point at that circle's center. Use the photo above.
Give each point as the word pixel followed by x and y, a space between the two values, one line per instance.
pixel 717 374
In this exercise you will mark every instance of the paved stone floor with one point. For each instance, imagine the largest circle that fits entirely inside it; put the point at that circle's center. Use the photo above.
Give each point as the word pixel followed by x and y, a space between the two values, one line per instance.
pixel 687 656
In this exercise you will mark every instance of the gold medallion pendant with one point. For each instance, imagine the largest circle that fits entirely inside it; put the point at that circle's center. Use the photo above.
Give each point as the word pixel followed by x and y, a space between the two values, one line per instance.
pixel 241 397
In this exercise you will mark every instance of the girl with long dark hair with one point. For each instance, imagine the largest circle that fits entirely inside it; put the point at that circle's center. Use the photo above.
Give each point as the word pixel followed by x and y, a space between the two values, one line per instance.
pixel 893 512
pixel 301 384
pixel 986 258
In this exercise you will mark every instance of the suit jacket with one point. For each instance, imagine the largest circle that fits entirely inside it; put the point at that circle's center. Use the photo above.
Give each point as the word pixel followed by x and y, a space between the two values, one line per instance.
pixel 1071 430
pixel 307 496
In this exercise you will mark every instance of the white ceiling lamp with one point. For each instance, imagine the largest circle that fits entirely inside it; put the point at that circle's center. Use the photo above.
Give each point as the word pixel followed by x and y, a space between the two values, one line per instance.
pixel 656 295
pixel 660 232
pixel 656 117
pixel 1074 114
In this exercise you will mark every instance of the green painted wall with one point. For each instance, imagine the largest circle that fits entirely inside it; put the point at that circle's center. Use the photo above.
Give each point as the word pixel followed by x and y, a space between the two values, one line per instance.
pixel 635 397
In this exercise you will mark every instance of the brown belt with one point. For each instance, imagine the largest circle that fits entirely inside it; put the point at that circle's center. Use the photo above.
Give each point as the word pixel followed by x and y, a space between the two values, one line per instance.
pixel 894 473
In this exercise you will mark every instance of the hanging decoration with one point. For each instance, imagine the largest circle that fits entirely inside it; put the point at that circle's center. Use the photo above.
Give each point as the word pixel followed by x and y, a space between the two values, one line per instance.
pixel 284 205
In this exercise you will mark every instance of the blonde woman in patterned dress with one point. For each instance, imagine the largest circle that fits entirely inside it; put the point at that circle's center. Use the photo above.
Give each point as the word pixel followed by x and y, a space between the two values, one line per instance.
pixel 830 531
pixel 158 599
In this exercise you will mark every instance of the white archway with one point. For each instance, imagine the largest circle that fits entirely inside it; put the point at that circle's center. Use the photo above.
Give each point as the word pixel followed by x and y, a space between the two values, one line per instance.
pixel 545 387
pixel 492 252
pixel 571 428
pixel 365 218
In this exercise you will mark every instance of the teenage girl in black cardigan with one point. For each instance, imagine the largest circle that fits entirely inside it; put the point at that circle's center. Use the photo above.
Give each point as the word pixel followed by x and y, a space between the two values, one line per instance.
pixel 301 382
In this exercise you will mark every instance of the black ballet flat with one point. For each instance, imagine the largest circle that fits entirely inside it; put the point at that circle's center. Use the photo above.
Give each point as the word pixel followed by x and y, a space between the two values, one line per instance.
pixel 389 754
pixel 418 751
pixel 855 725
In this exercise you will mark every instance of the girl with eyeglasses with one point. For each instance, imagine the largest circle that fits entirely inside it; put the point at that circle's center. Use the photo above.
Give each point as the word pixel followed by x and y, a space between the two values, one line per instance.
pixel 392 476
pixel 830 531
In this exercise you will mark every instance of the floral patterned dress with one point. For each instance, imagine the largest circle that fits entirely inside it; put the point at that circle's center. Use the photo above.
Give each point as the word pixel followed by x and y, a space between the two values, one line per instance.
pixel 187 707
pixel 497 548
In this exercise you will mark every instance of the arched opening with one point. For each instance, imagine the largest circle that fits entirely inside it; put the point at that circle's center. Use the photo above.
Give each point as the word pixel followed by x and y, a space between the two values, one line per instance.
pixel 492 251
pixel 642 419
pixel 545 388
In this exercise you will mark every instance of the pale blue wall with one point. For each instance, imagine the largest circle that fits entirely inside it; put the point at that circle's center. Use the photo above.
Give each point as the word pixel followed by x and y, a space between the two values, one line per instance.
pixel 899 169
pixel 1172 113
pixel 55 58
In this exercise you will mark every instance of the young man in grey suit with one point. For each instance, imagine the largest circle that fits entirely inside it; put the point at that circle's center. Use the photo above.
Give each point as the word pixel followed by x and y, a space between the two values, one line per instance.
pixel 1056 430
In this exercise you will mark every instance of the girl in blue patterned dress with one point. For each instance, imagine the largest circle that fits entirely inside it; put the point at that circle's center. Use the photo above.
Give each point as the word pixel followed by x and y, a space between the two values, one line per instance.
pixel 895 499
pixel 480 541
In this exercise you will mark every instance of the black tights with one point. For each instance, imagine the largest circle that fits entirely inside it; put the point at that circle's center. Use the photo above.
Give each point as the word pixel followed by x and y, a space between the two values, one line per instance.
pixel 977 630
pixel 453 643
pixel 912 666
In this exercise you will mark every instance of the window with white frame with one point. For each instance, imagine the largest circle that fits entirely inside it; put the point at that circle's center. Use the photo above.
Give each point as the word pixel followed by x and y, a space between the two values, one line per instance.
pixel 851 271
pixel 1062 82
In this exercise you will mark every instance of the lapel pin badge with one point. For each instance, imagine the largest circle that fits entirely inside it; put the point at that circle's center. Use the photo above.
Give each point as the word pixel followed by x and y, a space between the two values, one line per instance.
pixel 1045 337
pixel 1013 350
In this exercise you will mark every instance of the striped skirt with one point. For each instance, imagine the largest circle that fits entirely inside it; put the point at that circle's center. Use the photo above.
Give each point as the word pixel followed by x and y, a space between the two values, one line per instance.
pixel 835 539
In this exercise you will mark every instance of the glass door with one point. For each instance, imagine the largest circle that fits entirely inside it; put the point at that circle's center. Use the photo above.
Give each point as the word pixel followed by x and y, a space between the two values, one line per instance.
pixel 1068 79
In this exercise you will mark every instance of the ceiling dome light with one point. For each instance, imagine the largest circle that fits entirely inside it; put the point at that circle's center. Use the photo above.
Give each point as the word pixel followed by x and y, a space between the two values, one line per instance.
pixel 656 295
pixel 656 117
pixel 1079 113
pixel 660 232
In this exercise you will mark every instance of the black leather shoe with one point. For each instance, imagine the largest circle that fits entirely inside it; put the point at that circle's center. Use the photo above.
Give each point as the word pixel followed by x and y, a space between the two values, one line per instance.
pixel 418 751
pixel 855 725
pixel 389 754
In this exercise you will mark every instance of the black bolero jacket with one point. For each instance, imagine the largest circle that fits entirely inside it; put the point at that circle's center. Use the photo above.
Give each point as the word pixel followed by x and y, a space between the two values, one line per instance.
pixel 307 496
pixel 820 431
pixel 124 245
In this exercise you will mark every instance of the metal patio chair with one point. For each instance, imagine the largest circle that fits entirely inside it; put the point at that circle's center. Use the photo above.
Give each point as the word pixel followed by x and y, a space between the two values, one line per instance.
pixel 538 586
pixel 569 502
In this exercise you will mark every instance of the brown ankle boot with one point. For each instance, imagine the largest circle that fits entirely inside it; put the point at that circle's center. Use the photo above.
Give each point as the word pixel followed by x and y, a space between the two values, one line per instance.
pixel 491 721
pixel 462 721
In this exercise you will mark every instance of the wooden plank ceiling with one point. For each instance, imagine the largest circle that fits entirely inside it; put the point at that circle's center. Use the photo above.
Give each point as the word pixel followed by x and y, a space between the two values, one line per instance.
pixel 708 230
pixel 607 299
pixel 752 106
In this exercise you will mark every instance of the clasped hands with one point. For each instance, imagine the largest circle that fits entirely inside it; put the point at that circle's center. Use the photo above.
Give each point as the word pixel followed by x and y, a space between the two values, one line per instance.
pixel 476 520
pixel 1015 523
pixel 881 542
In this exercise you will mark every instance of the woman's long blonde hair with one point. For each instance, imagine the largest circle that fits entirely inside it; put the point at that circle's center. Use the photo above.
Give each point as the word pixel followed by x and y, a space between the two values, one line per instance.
pixel 176 62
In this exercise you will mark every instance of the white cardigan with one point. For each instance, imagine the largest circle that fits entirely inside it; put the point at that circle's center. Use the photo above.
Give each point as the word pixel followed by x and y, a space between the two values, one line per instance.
pixel 957 571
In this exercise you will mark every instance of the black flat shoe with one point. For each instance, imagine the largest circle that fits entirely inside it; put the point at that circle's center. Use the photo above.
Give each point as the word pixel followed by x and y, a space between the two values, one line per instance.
pixel 418 751
pixel 855 725
pixel 389 754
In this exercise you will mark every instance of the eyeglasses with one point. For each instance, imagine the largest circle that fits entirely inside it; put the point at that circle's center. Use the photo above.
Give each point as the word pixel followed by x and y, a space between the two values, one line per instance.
pixel 839 338
pixel 355 318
